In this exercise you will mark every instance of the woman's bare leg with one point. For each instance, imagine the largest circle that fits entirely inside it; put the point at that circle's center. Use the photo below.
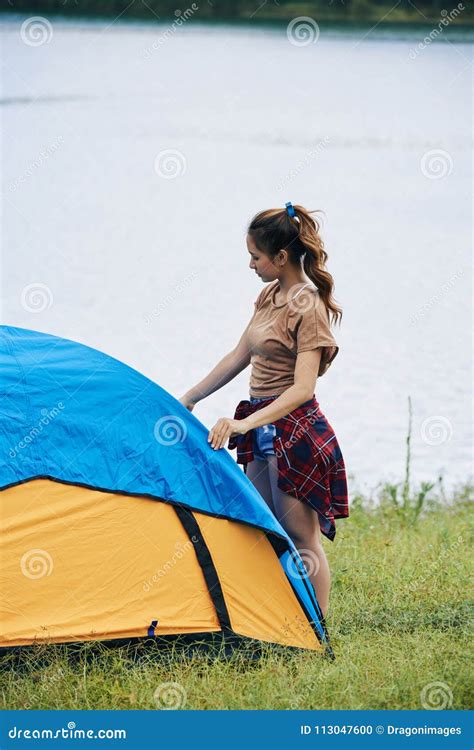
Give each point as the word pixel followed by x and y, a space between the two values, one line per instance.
pixel 257 472
pixel 301 523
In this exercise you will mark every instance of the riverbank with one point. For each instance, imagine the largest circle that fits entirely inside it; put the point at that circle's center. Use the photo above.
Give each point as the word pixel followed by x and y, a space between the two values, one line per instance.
pixel 345 14
pixel 399 622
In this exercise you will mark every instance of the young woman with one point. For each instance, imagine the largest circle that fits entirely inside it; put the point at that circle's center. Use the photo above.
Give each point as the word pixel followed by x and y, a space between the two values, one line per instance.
pixel 287 446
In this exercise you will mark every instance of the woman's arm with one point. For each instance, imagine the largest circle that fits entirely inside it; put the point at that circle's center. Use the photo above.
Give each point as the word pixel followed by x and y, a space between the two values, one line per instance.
pixel 225 370
pixel 306 373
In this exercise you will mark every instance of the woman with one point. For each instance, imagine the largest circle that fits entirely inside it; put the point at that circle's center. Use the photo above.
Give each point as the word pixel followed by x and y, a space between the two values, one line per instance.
pixel 288 448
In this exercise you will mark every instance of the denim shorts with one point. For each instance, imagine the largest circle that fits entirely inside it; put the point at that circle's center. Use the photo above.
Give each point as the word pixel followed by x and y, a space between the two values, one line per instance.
pixel 263 436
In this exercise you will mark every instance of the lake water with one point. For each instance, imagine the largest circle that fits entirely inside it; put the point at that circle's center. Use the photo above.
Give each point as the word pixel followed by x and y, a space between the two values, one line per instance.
pixel 111 240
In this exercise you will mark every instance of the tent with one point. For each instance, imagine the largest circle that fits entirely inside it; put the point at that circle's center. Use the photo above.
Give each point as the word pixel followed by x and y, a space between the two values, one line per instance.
pixel 119 522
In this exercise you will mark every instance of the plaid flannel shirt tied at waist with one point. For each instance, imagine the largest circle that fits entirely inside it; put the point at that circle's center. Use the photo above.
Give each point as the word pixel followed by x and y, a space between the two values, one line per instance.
pixel 309 458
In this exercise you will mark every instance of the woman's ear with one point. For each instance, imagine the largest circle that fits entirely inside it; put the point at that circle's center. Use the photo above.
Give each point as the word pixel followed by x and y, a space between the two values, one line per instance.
pixel 282 257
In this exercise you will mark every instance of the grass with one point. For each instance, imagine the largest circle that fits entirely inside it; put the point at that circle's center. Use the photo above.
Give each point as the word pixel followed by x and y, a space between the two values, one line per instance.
pixel 399 621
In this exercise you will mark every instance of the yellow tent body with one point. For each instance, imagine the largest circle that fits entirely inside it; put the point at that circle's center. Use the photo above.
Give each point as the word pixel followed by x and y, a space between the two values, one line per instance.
pixel 80 564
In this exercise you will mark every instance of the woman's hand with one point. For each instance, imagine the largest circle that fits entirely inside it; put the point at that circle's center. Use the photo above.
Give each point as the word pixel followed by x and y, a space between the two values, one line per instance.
pixel 225 428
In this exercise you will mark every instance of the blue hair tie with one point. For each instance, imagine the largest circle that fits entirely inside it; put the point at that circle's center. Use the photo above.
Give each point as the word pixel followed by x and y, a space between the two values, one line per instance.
pixel 290 209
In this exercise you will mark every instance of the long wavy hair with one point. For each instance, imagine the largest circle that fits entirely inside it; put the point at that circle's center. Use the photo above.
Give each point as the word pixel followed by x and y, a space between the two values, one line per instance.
pixel 274 230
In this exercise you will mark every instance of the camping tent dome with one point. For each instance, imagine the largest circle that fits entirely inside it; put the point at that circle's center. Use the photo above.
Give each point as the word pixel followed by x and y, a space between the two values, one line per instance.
pixel 119 520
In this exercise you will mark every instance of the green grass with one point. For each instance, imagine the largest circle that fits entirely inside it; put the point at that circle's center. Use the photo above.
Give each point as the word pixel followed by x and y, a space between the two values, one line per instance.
pixel 399 620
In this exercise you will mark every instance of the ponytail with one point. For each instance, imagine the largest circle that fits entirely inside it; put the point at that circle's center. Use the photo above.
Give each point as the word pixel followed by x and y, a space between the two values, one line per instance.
pixel 274 230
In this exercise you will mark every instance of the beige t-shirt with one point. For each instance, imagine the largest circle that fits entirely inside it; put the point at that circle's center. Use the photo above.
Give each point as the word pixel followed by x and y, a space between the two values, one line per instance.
pixel 278 332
